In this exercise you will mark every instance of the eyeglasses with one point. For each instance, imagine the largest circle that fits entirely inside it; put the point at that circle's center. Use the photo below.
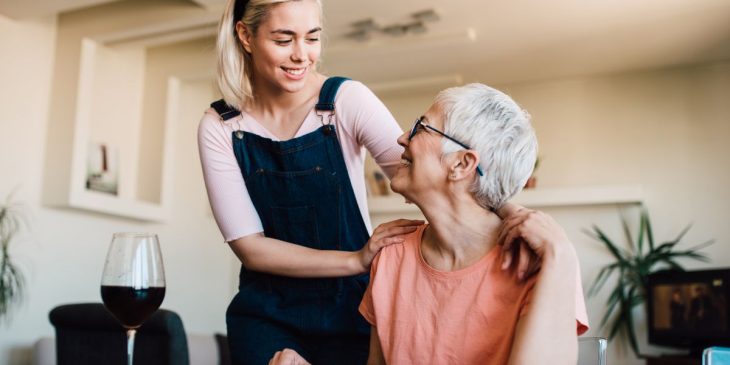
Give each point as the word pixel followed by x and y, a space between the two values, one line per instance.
pixel 419 123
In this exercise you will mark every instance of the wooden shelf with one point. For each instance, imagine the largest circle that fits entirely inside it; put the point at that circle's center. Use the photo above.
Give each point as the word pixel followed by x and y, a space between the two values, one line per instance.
pixel 535 198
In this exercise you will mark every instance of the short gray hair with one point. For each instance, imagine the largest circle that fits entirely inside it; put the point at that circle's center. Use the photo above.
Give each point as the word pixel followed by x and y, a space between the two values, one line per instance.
pixel 494 126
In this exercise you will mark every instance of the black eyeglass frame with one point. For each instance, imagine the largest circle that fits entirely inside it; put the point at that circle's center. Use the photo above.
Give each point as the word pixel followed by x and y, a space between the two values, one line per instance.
pixel 419 123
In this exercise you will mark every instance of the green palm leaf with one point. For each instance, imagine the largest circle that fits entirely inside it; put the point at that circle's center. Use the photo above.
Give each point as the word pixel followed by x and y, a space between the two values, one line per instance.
pixel 649 231
pixel 642 229
pixel 632 267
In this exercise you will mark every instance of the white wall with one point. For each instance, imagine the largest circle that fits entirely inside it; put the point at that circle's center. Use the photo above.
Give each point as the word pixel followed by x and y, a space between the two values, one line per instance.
pixel 63 254
pixel 666 130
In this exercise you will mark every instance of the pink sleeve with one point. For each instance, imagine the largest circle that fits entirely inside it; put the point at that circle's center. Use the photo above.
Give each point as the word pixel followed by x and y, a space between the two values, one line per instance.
pixel 371 125
pixel 232 207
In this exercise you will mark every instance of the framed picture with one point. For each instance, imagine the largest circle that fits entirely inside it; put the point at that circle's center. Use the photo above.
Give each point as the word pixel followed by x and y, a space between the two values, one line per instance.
pixel 102 169
pixel 377 184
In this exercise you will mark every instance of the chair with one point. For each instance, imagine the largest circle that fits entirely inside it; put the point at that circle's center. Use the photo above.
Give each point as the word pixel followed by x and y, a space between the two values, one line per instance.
pixel 592 350
pixel 716 356
pixel 88 334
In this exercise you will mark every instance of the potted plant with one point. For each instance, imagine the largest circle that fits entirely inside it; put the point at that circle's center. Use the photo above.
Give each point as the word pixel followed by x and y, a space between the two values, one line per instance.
pixel 633 266
pixel 11 279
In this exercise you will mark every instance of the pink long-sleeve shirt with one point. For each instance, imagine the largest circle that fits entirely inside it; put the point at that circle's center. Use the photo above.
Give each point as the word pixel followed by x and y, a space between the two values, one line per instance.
pixel 362 122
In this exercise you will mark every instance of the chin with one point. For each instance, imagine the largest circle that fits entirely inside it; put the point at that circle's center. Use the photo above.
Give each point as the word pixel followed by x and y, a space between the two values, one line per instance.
pixel 394 184
pixel 399 187
pixel 293 87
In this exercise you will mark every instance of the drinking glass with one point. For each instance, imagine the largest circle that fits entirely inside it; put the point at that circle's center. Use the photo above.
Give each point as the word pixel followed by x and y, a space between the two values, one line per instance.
pixel 133 282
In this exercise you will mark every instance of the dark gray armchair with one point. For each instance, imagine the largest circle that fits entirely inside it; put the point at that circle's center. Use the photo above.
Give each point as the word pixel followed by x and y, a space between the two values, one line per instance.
pixel 88 334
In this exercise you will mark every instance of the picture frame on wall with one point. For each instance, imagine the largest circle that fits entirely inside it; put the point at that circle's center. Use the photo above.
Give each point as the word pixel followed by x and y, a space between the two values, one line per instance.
pixel 102 169
pixel 377 184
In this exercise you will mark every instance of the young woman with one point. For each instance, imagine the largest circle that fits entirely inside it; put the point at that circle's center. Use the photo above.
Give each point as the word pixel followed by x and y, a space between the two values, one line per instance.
pixel 282 157
pixel 445 295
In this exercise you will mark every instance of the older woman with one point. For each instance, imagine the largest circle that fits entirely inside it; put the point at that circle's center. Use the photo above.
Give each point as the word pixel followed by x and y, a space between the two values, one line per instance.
pixel 447 294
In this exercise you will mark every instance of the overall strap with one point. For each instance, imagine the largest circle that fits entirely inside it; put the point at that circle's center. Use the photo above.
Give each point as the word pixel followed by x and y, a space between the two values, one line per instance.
pixel 327 94
pixel 326 103
pixel 224 110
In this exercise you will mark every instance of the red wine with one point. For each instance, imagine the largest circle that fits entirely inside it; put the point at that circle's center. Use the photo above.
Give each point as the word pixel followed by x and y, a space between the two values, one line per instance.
pixel 132 306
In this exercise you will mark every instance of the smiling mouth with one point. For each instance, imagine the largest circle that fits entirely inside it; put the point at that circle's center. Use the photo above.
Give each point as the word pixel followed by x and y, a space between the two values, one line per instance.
pixel 405 161
pixel 294 71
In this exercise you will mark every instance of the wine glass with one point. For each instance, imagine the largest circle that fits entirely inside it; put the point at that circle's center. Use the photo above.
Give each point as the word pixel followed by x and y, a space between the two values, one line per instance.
pixel 133 282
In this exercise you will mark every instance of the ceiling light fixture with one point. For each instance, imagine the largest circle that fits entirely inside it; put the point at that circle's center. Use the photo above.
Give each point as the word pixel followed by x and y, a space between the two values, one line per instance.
pixel 365 29
pixel 428 15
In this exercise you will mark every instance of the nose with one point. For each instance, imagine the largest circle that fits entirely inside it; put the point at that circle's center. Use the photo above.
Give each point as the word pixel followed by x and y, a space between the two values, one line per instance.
pixel 298 53
pixel 403 139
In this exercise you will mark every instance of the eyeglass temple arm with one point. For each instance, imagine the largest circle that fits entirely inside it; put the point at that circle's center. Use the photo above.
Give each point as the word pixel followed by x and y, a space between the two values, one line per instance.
pixel 479 169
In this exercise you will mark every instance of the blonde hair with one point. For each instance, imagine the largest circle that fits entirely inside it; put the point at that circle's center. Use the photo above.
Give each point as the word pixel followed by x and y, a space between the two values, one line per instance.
pixel 234 63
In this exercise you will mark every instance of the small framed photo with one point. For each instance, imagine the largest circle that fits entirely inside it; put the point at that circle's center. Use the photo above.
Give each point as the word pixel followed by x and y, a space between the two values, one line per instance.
pixel 102 169
pixel 378 184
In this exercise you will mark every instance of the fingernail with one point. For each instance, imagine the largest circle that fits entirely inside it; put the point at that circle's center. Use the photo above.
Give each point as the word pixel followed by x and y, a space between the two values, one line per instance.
pixel 521 275
pixel 505 264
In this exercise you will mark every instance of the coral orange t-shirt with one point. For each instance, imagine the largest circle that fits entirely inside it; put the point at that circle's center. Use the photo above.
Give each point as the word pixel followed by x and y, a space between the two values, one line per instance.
pixel 426 316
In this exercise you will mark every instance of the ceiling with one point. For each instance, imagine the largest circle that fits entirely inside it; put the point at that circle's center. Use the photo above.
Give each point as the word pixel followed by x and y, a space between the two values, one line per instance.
pixel 523 40
pixel 500 41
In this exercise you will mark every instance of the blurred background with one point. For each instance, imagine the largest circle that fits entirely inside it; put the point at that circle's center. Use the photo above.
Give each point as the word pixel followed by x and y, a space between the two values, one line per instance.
pixel 630 100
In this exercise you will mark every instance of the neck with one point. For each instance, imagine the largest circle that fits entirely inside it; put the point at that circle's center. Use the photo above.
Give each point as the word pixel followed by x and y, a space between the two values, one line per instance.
pixel 270 100
pixel 460 231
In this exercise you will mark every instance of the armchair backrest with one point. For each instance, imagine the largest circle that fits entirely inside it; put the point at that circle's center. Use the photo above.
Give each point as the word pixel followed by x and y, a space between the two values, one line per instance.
pixel 87 333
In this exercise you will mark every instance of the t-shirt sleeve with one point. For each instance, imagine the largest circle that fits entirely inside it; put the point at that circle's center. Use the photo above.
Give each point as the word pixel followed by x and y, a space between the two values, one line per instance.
pixel 372 125
pixel 581 315
pixel 367 308
pixel 232 207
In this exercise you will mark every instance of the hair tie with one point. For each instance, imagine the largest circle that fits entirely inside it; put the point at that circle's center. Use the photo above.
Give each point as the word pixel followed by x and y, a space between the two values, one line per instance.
pixel 239 9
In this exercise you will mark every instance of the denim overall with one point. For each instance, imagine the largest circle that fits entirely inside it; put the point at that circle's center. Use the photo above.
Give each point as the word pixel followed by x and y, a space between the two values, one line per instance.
pixel 303 195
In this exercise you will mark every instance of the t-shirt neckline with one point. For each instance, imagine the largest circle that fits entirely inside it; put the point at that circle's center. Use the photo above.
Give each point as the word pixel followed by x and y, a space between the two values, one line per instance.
pixel 482 263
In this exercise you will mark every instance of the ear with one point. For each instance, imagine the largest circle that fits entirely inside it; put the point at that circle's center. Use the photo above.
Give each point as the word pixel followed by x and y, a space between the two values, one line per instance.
pixel 464 165
pixel 244 36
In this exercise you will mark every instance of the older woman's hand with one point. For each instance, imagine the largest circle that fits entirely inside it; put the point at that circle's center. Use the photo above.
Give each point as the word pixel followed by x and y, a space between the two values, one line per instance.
pixel 384 235
pixel 528 235
pixel 288 357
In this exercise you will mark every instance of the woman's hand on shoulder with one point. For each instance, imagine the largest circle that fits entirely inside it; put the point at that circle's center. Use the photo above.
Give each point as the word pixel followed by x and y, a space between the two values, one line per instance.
pixel 383 235
pixel 528 237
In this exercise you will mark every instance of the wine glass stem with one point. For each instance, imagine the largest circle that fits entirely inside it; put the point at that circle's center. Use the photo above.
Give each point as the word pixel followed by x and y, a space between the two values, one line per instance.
pixel 130 345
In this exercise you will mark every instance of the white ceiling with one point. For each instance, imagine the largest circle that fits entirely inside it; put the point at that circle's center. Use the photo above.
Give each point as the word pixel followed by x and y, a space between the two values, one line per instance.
pixel 524 40
pixel 502 41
